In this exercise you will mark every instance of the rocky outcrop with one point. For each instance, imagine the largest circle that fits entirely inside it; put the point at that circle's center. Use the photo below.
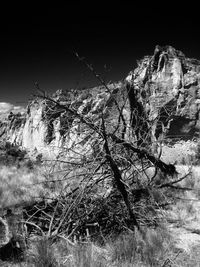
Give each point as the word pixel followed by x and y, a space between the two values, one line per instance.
pixel 12 241
pixel 164 105
pixel 4 232
pixel 168 88
pixel 51 130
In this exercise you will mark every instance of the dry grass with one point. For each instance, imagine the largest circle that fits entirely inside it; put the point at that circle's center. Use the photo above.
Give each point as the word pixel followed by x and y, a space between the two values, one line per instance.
pixel 184 215
pixel 24 185
pixel 128 249
pixel 151 251
pixel 19 185
pixel 41 254
pixel 187 205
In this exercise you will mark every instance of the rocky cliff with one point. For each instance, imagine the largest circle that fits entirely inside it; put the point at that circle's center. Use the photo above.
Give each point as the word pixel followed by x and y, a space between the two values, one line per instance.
pixel 163 91
pixel 168 88
pixel 50 129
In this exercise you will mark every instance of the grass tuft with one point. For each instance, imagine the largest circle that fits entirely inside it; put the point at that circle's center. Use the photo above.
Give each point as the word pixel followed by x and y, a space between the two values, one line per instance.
pixel 41 254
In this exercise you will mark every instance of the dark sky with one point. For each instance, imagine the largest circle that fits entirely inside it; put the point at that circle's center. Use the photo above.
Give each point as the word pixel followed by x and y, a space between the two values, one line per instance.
pixel 37 43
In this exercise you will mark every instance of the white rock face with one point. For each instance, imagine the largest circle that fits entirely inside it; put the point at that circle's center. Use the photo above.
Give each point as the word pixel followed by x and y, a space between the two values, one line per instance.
pixel 34 130
pixel 53 131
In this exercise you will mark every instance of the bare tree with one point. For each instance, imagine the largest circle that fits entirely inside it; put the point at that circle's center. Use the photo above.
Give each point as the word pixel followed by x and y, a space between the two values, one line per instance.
pixel 108 161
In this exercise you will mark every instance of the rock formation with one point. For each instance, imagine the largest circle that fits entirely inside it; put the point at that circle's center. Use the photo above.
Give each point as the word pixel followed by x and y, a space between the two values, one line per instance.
pixel 164 89
pixel 51 130
pixel 168 87
pixel 4 232
pixel 12 243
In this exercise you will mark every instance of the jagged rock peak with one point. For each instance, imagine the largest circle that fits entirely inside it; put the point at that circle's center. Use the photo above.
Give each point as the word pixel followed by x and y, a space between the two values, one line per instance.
pixel 165 59
pixel 167 86
pixel 169 50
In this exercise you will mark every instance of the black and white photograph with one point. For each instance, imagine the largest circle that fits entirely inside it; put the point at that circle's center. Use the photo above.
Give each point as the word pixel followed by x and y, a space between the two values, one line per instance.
pixel 100 134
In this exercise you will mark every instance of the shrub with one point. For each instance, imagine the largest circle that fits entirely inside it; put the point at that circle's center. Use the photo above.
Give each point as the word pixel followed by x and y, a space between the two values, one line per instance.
pixel 11 154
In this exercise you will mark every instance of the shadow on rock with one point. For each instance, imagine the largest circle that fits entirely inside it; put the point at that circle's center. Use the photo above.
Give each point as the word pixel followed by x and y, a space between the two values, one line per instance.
pixel 11 251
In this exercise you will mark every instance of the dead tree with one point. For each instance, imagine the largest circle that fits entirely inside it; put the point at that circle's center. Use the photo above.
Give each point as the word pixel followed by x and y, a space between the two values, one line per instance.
pixel 121 153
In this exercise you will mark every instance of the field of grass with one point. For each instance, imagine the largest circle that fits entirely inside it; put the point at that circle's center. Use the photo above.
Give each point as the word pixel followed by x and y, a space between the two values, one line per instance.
pixel 127 250
pixel 19 185
pixel 175 242
pixel 25 184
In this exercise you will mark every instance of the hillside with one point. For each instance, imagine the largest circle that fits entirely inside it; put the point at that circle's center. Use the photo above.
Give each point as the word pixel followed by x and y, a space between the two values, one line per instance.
pixel 164 89
pixel 98 173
